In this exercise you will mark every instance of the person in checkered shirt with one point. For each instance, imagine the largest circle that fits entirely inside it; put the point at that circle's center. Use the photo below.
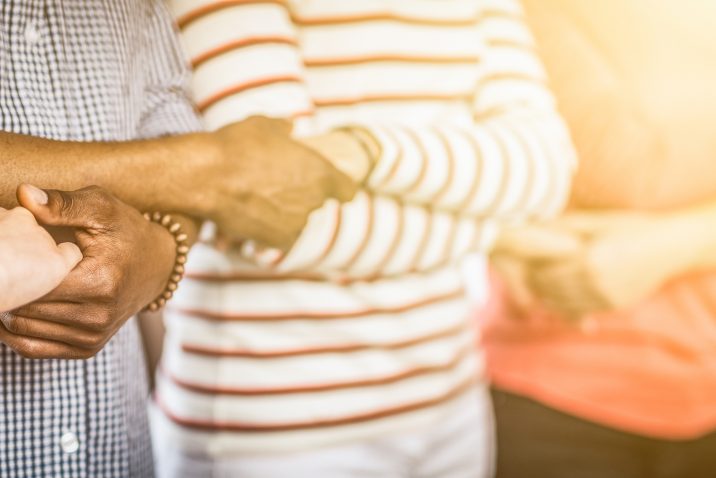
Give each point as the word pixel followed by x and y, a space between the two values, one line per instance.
pixel 92 93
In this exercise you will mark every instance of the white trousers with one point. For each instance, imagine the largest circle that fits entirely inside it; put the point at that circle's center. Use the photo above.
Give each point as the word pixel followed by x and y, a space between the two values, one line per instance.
pixel 461 446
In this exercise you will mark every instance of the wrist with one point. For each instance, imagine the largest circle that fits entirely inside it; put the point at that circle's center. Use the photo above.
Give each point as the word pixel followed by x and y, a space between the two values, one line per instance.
pixel 171 171
pixel 172 256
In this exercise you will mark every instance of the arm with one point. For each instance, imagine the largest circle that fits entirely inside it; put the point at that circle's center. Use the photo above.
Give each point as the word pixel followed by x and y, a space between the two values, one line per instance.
pixel 218 176
pixel 514 162
pixel 595 261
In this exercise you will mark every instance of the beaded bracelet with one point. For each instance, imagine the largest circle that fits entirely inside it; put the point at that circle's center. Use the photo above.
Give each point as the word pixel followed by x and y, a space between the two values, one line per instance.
pixel 182 250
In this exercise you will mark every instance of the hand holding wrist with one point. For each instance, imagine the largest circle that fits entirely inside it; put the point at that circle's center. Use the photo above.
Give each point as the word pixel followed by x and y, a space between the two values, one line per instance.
pixel 259 183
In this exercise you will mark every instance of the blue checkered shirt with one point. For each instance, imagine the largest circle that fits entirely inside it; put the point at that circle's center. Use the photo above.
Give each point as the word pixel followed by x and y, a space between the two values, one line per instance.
pixel 85 70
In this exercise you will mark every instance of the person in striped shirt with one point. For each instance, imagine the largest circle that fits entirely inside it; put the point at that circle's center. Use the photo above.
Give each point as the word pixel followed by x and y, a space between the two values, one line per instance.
pixel 352 353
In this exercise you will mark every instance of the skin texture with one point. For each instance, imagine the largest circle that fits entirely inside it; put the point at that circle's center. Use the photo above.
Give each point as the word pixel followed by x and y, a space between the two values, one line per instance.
pixel 250 178
pixel 25 248
pixel 77 318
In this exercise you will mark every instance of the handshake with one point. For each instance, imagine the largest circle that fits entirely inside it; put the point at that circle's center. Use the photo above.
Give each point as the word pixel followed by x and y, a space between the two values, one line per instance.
pixel 589 262
pixel 251 178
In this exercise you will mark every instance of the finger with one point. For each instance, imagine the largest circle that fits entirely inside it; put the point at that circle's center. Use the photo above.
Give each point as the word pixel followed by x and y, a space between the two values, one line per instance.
pixel 537 243
pixel 33 348
pixel 340 186
pixel 71 254
pixel 66 313
pixel 65 208
pixel 41 329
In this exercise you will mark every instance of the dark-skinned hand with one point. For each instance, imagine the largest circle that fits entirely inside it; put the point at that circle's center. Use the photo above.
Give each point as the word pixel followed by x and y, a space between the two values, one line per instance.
pixel 126 264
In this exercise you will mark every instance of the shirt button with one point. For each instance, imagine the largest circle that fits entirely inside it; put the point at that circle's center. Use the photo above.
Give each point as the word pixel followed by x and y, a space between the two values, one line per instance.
pixel 32 35
pixel 69 442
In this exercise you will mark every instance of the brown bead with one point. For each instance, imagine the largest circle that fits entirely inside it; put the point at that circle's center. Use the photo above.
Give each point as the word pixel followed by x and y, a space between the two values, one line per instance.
pixel 167 294
pixel 147 216
pixel 174 227
pixel 179 269
pixel 181 237
pixel 161 302
pixel 166 220
pixel 153 307
pixel 181 259
pixel 171 286
pixel 157 216
pixel 183 249
pixel 175 278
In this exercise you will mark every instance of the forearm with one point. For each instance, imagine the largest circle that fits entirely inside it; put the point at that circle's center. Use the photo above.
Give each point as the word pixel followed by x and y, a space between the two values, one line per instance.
pixel 138 172
pixel 514 165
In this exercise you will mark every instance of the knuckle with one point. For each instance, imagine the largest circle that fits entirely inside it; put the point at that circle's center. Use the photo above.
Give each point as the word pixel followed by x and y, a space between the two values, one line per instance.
pixel 100 202
pixel 89 340
pixel 96 342
pixel 67 203
pixel 105 319
pixel 30 349
pixel 106 284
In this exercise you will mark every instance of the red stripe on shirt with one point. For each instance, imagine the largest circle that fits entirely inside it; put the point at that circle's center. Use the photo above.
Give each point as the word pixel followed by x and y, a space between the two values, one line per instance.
pixel 204 105
pixel 248 427
pixel 208 315
pixel 238 44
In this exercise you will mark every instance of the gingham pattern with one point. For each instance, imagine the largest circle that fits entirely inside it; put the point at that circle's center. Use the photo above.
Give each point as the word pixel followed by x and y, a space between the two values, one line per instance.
pixel 88 70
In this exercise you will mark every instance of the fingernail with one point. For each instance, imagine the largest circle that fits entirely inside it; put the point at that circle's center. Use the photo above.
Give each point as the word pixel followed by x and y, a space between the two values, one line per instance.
pixel 37 195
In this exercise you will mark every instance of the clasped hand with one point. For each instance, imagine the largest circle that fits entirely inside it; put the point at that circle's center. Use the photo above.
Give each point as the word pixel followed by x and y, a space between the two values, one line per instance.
pixel 590 262
pixel 126 263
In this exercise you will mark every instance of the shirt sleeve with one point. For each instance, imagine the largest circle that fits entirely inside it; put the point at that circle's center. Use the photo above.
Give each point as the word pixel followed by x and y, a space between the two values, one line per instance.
pixel 437 191
pixel 168 108
pixel 515 161
pixel 376 235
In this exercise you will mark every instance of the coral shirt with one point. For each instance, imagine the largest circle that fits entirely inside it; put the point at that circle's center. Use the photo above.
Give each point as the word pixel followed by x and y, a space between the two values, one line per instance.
pixel 650 370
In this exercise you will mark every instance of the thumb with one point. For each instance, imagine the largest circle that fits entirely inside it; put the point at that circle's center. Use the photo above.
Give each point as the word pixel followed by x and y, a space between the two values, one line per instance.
pixel 70 253
pixel 55 208
pixel 341 186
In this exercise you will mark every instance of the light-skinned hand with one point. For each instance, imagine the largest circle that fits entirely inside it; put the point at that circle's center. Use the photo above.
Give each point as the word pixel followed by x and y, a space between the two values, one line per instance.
pixel 127 263
pixel 31 263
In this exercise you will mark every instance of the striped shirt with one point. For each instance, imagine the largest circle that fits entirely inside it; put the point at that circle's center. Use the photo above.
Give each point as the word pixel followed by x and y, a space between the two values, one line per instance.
pixel 363 327
pixel 87 70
